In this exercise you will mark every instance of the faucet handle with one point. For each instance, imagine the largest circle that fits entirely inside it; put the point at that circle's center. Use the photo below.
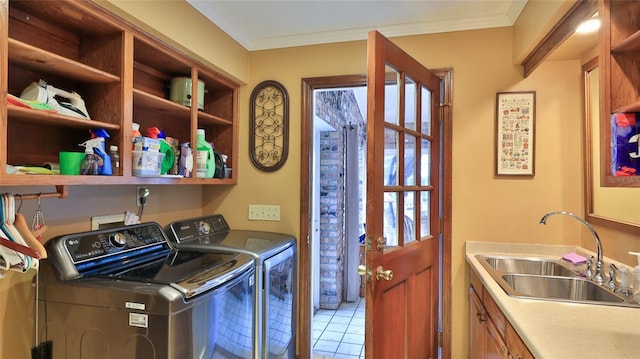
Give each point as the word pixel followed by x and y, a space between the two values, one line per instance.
pixel 589 271
pixel 611 284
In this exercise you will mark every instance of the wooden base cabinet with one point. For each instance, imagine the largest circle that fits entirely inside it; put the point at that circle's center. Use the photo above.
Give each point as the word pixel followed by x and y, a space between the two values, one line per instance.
pixel 477 326
pixel 491 336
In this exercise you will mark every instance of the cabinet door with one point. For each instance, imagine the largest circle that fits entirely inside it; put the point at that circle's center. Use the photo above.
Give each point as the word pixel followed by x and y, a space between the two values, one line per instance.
pixel 517 348
pixel 495 345
pixel 477 326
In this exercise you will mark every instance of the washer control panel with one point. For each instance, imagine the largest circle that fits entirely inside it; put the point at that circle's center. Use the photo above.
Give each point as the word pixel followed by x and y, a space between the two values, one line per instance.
pixel 96 244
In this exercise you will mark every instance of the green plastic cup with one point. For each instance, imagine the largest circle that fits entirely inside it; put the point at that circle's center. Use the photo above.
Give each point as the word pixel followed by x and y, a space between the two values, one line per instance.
pixel 70 162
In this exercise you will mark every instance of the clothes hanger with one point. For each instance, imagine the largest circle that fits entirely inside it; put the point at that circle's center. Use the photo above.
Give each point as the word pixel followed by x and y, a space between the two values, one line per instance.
pixel 23 228
pixel 30 261
pixel 18 243
pixel 12 259
pixel 10 217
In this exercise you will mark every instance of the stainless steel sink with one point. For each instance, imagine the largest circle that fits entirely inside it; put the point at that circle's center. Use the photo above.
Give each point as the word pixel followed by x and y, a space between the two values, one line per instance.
pixel 535 266
pixel 570 289
pixel 548 279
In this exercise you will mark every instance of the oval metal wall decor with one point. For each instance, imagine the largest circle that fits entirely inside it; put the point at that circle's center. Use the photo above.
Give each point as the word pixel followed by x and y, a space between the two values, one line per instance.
pixel 269 126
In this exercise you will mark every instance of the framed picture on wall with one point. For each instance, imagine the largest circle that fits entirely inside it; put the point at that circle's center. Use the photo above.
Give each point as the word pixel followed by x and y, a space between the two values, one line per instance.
pixel 515 133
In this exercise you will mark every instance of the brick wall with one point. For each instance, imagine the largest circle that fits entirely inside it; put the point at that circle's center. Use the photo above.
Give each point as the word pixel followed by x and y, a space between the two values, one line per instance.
pixel 339 109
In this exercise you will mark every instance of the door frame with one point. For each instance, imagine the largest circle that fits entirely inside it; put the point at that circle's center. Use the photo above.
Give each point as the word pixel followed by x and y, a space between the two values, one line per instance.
pixel 304 334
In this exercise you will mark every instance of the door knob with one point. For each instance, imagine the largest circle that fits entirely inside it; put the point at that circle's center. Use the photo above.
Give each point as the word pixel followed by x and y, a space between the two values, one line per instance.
pixel 362 270
pixel 384 274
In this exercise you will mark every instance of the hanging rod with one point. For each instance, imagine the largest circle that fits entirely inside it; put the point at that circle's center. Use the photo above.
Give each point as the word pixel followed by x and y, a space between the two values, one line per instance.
pixel 61 192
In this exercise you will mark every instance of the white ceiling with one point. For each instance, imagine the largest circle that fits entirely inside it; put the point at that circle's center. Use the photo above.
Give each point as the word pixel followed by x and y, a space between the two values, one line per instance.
pixel 269 24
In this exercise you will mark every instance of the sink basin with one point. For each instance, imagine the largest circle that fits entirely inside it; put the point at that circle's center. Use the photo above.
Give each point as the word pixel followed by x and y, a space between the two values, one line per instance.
pixel 535 266
pixel 548 279
pixel 571 289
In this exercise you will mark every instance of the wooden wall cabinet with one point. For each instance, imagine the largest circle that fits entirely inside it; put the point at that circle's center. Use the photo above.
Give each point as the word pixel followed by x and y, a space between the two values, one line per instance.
pixel 123 75
pixel 490 333
pixel 620 77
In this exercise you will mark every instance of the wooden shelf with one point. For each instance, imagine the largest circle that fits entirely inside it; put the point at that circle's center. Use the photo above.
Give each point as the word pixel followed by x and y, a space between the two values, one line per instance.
pixel 54 119
pixel 621 181
pixel 208 119
pixel 47 180
pixel 159 104
pixel 631 43
pixel 632 107
pixel 35 59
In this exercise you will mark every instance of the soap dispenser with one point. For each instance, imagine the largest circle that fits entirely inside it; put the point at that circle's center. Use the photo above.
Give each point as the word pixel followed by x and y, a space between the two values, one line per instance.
pixel 636 279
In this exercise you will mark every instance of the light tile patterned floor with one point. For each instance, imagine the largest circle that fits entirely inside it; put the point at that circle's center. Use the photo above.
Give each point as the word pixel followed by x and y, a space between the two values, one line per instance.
pixel 339 333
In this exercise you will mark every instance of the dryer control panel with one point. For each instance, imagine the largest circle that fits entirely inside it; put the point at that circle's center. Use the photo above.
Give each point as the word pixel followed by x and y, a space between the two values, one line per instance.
pixel 198 228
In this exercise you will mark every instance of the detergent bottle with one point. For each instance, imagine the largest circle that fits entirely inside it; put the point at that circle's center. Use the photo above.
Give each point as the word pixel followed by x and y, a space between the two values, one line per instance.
pixel 205 160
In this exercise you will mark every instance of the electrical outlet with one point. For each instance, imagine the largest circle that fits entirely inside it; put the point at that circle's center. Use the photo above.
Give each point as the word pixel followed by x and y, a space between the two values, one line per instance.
pixel 263 212
pixel 142 194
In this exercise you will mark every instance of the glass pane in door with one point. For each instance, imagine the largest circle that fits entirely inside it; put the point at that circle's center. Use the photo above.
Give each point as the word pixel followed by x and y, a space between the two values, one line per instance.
pixel 390 225
pixel 409 160
pixel 409 217
pixel 425 164
pixel 425 229
pixel 410 93
pixel 391 154
pixel 425 112
pixel 391 97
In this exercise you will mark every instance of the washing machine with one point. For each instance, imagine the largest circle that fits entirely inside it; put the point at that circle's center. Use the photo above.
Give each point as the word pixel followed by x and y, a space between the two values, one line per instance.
pixel 125 293
pixel 275 276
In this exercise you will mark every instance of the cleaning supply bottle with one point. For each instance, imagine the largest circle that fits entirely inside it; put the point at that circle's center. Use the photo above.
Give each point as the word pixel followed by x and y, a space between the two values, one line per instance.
pixel 96 146
pixel 205 160
pixel 90 163
pixel 636 279
pixel 115 160
pixel 625 281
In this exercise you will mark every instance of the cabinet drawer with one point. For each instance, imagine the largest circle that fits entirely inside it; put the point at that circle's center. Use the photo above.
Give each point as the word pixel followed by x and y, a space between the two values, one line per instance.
pixel 494 312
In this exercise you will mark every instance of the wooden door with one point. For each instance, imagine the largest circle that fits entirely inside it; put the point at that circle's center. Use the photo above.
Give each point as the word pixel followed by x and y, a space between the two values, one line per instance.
pixel 402 204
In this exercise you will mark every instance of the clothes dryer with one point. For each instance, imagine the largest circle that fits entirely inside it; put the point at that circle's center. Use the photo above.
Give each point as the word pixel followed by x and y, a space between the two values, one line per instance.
pixel 275 258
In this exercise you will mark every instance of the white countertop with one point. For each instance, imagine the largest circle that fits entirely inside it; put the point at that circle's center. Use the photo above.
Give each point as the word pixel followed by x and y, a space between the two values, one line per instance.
pixel 553 329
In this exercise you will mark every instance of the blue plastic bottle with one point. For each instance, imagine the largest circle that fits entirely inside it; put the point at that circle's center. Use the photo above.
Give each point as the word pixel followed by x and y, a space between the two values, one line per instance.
pixel 205 161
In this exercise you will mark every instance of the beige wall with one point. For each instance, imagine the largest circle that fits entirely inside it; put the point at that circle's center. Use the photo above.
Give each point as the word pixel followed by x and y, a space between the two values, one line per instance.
pixel 485 208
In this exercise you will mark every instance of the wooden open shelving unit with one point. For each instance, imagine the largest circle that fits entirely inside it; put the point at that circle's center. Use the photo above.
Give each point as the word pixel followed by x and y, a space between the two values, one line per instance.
pixel 123 75
pixel 620 77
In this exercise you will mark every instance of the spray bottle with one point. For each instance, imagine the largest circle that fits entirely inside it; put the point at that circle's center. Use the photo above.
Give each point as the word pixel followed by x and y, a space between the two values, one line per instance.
pixel 636 279
pixel 95 147
pixel 100 135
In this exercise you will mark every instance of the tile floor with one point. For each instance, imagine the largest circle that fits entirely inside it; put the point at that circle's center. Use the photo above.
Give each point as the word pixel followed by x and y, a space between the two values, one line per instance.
pixel 339 333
